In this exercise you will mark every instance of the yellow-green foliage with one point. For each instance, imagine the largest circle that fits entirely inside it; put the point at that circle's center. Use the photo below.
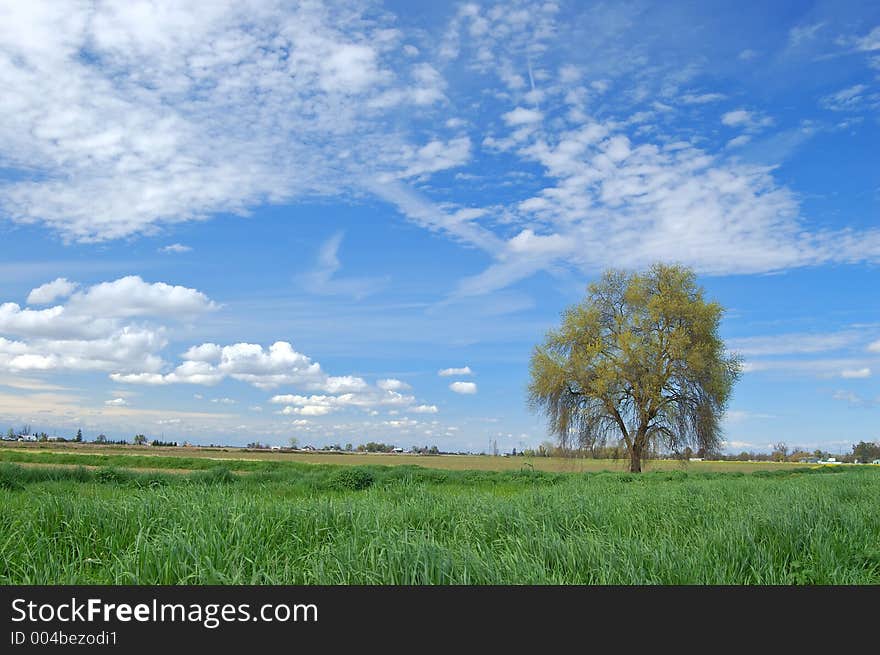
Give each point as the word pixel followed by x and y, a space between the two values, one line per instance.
pixel 639 359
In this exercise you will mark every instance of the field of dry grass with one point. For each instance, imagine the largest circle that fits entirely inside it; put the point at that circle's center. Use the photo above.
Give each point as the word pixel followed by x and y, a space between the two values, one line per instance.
pixel 448 462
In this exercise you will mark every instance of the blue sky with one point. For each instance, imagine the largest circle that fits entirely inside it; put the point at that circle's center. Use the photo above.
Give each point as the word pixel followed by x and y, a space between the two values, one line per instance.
pixel 256 220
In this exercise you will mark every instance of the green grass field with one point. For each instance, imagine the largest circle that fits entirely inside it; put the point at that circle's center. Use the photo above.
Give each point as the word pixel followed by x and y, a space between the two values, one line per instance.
pixel 294 523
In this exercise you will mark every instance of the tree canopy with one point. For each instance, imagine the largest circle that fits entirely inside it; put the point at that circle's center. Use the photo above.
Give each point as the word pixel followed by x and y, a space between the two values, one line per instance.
pixel 639 359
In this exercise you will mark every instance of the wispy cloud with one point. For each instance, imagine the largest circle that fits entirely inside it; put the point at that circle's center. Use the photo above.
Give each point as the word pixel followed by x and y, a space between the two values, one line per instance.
pixel 846 99
pixel 175 248
pixel 793 343
pixel 447 372
pixel 324 281
pixel 185 112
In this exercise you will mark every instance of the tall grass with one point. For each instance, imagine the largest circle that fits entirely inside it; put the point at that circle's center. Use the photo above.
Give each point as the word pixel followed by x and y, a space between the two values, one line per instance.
pixel 316 526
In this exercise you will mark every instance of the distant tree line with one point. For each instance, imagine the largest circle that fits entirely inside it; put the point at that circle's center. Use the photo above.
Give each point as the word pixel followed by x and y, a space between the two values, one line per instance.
pixel 862 452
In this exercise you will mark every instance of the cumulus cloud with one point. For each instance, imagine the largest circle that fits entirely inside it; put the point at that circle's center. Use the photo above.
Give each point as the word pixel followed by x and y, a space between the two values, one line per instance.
pixel 130 296
pixel 116 402
pixel 522 116
pixel 424 409
pixel 320 404
pixel 114 327
pixel 264 368
pixel 93 330
pixel 392 384
pixel 463 387
pixel 863 372
pixel 51 291
pixel 448 372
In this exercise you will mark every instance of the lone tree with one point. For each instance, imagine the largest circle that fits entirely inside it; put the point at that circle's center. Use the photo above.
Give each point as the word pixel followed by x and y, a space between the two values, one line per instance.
pixel 640 358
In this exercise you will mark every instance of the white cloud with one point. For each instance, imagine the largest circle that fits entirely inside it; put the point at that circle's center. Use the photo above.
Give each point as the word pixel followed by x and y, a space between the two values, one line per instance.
pixel 248 362
pixel 320 404
pixel 792 343
pixel 874 346
pixel 51 291
pixel 433 156
pixel 746 119
pixel 870 42
pixel 93 330
pixel 612 202
pixel 820 368
pixel 846 99
pixel 853 398
pixel 116 402
pixel 464 387
pixel 391 384
pixel 424 409
pixel 701 98
pixel 448 372
pixel 175 248
pixel 739 416
pixel 182 110
pixel 800 34
pixel 735 118
pixel 738 141
pixel 863 372
pixel 343 384
pixel 522 116
pixel 206 352
pixel 224 401
pixel 308 410
pixel 130 296
pixel 323 280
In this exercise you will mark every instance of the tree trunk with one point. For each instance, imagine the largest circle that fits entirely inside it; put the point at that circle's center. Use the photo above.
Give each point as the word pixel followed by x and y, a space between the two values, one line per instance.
pixel 635 459
pixel 638 448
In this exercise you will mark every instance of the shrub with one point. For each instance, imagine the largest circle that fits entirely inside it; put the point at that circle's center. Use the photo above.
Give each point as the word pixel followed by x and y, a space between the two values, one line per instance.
pixel 352 479
pixel 110 475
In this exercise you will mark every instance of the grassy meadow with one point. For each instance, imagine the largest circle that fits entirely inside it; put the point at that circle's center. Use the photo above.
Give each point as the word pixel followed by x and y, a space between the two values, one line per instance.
pixel 295 523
